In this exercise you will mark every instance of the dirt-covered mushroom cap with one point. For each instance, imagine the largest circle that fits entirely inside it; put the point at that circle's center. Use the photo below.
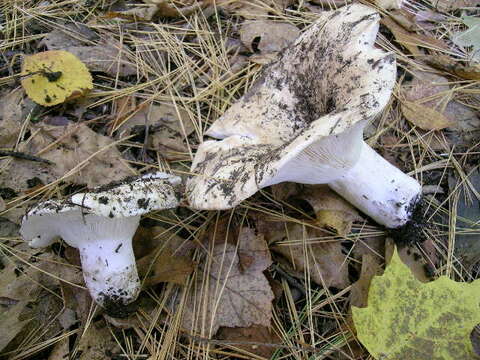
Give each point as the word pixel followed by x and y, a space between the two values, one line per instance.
pixel 101 224
pixel 303 119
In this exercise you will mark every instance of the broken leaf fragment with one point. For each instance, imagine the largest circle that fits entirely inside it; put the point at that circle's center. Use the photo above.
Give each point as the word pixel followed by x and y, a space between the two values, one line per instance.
pixel 53 77
pixel 408 319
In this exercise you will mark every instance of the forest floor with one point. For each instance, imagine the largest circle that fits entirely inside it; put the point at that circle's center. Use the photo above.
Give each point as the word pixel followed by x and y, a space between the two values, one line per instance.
pixel 276 276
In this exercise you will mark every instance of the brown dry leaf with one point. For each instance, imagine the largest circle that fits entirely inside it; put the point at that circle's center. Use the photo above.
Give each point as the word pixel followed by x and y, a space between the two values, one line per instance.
pixel 60 350
pixel 108 56
pixel 424 117
pixel 253 334
pixel 436 88
pixel 254 9
pixel 274 36
pixel 169 261
pixel 162 8
pixel 444 62
pixel 231 289
pixel 169 127
pixel 412 41
pixel 371 266
pixel 96 342
pixel 10 325
pixel 449 5
pixel 325 262
pixel 20 282
pixel 13 112
pixel 67 147
pixel 331 210
pixel 410 257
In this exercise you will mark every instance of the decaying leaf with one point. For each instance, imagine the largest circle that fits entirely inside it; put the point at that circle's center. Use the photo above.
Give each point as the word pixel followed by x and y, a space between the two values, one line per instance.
pixel 108 55
pixel 53 77
pixel 268 36
pixel 424 117
pixel 301 246
pixel 70 147
pixel 331 210
pixel 168 261
pixel 408 319
pixel 231 289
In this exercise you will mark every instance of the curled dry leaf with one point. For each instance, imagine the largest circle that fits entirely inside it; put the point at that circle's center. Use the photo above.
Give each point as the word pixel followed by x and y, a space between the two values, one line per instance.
pixel 53 77
pixel 302 246
pixel 231 289
pixel 108 56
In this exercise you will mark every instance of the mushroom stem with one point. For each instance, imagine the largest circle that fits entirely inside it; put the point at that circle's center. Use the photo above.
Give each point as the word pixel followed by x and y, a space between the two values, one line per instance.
pixel 110 271
pixel 379 189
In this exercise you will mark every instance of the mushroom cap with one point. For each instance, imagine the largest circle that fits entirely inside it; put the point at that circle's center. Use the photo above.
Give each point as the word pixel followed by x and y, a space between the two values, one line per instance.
pixel 303 118
pixel 332 67
pixel 129 198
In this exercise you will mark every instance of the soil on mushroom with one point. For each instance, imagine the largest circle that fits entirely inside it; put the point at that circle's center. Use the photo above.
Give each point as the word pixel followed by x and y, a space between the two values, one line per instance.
pixel 412 232
pixel 115 308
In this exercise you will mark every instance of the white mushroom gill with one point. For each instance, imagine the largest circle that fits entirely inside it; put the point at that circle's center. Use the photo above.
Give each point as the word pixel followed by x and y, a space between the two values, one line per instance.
pixel 303 121
pixel 101 225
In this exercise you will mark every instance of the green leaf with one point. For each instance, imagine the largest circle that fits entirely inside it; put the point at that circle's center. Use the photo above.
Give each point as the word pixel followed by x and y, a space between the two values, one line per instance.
pixel 408 319
pixel 471 36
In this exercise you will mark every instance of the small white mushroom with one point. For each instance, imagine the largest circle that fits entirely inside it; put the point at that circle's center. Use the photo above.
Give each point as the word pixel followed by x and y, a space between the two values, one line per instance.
pixel 303 121
pixel 101 225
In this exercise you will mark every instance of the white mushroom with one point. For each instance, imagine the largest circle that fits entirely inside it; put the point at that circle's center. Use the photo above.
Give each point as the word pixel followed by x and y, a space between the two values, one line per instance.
pixel 303 121
pixel 101 225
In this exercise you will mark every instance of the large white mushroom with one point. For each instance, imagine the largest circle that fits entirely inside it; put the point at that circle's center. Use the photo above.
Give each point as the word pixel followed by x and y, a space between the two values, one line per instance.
pixel 101 225
pixel 303 121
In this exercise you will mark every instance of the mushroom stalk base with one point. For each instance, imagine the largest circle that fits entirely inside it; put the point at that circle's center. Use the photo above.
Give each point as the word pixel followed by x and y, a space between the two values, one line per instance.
pixel 110 271
pixel 379 189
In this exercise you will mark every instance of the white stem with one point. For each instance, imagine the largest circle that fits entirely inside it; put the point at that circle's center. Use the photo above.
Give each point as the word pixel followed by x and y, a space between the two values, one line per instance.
pixel 110 271
pixel 379 189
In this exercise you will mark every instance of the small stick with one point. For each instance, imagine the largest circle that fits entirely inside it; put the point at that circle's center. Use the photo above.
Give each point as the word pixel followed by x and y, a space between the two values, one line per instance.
pixel 23 156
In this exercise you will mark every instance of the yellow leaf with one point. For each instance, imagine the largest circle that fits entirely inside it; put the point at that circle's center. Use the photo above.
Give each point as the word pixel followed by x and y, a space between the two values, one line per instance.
pixel 424 117
pixel 53 77
pixel 408 319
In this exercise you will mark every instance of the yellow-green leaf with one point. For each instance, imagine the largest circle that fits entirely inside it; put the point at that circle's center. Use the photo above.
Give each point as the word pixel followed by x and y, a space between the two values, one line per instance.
pixel 53 77
pixel 408 319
